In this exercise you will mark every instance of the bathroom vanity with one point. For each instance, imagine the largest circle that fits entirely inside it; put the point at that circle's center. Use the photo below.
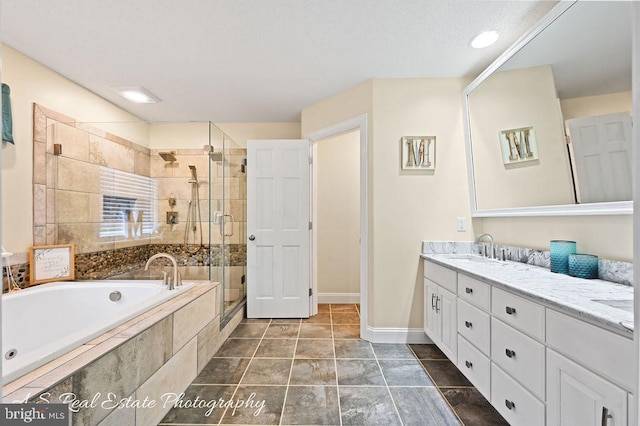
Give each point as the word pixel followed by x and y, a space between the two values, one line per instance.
pixel 543 348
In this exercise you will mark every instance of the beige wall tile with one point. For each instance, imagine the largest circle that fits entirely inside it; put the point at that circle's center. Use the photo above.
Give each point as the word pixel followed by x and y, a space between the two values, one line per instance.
pixel 74 175
pixel 51 206
pixel 181 167
pixel 95 208
pixel 160 168
pixel 131 242
pixel 39 163
pixel 39 235
pixel 124 416
pixel 39 205
pixel 110 154
pixel 75 142
pixel 52 234
pixel 208 345
pixel 85 236
pixel 89 128
pixel 73 207
pixel 174 376
pixel 188 322
pixel 51 164
pixel 179 187
pixel 142 164
pixel 39 125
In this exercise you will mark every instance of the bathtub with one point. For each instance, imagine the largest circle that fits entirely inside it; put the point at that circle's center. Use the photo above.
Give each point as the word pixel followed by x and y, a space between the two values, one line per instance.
pixel 39 324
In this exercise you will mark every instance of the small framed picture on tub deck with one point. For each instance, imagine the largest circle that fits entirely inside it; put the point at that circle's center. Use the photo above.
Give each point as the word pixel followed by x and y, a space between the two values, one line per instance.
pixel 51 263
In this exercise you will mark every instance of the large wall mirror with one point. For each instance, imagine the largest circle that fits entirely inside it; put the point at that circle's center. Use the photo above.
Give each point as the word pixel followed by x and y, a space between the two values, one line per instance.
pixel 548 124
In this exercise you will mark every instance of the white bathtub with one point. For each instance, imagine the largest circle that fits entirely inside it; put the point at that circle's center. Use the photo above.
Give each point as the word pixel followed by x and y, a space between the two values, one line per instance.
pixel 46 321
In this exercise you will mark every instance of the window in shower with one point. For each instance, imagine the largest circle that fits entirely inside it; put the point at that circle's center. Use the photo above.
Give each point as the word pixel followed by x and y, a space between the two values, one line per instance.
pixel 129 207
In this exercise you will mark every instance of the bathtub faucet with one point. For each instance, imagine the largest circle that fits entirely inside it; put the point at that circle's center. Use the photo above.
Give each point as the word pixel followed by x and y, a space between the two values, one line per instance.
pixel 176 275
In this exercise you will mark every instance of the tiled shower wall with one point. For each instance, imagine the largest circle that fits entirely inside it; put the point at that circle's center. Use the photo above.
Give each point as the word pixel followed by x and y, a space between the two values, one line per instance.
pixel 68 202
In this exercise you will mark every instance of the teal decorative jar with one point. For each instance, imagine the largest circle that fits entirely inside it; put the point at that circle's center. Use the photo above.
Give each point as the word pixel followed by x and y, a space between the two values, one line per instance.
pixel 583 266
pixel 560 251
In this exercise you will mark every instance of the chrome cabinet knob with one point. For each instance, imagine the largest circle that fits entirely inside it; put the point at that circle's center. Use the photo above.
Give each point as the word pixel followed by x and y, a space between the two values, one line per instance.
pixel 252 237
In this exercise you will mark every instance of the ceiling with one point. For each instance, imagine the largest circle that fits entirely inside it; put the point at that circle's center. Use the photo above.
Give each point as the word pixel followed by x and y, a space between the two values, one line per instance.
pixel 255 60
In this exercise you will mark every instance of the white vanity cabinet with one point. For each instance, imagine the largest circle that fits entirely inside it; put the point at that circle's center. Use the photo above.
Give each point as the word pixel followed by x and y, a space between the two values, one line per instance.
pixel 578 397
pixel 536 366
pixel 440 308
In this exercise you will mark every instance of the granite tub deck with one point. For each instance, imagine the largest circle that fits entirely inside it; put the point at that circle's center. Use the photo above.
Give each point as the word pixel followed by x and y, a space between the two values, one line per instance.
pixel 573 296
pixel 160 351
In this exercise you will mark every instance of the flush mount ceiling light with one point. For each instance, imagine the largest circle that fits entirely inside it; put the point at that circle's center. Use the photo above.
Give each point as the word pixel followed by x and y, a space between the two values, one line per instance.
pixel 137 94
pixel 484 39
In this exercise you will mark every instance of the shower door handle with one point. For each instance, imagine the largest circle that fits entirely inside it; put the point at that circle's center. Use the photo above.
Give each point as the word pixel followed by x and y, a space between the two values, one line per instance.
pixel 225 223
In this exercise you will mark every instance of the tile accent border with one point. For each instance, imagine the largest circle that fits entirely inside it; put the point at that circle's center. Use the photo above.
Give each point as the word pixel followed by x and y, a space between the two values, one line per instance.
pixel 608 270
pixel 129 357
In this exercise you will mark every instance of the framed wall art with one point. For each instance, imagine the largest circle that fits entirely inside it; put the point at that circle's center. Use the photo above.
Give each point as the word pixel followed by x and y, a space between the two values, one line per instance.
pixel 51 263
pixel 418 152
pixel 518 145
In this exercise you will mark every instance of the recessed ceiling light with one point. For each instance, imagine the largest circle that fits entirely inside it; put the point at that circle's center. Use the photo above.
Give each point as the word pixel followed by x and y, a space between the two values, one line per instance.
pixel 137 94
pixel 484 39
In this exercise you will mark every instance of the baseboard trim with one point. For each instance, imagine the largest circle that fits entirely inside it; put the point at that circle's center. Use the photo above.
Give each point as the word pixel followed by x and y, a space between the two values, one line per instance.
pixel 338 297
pixel 396 335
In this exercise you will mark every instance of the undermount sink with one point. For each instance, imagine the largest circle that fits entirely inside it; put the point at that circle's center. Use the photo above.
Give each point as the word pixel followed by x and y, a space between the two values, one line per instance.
pixel 625 305
pixel 471 258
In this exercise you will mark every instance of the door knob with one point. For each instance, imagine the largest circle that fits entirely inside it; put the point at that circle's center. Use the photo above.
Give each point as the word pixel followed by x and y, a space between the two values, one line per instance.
pixel 252 237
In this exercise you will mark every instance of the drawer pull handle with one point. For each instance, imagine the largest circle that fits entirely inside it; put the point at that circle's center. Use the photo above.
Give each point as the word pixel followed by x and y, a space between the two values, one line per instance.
pixel 510 310
pixel 468 364
pixel 468 290
pixel 468 324
pixel 605 416
pixel 510 353
pixel 437 307
pixel 510 404
pixel 433 303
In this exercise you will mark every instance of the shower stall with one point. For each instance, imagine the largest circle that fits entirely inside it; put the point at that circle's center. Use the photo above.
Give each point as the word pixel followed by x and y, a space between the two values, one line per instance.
pixel 185 196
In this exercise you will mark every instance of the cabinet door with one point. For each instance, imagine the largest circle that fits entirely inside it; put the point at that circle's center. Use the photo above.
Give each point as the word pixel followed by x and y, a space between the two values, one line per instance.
pixel 432 318
pixel 578 397
pixel 449 318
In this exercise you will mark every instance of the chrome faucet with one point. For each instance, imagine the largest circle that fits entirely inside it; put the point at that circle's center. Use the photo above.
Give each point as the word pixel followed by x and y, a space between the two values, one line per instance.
pixel 490 254
pixel 176 275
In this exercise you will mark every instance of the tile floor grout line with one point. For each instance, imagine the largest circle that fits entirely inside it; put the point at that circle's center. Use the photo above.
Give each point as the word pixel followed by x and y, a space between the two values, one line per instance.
pixel 455 413
pixel 293 358
pixel 245 371
pixel 335 366
pixel 386 384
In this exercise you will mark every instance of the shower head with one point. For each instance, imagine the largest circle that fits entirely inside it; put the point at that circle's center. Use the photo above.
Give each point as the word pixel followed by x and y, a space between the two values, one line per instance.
pixel 168 156
pixel 215 156
pixel 194 174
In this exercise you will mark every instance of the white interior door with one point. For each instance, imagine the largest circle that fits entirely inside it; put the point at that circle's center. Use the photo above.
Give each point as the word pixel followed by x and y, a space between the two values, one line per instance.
pixel 278 199
pixel 601 151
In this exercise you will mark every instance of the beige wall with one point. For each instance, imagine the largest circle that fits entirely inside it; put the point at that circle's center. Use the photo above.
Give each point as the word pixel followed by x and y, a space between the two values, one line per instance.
pixel 241 132
pixel 31 82
pixel 338 215
pixel 511 100
pixel 596 105
pixel 609 237
pixel 409 207
pixel 168 136
pixel 405 208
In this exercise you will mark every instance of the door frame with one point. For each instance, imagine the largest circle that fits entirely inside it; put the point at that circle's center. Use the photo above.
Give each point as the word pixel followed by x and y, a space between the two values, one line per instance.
pixel 356 123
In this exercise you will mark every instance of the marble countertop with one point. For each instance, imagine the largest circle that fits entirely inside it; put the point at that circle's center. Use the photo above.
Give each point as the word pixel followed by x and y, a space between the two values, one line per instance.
pixel 573 296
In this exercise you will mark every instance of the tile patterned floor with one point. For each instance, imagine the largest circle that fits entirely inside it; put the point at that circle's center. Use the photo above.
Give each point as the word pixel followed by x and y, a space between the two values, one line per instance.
pixel 318 371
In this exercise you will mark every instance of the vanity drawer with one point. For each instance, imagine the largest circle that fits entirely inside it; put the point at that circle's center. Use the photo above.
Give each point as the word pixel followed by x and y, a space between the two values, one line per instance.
pixel 597 349
pixel 475 366
pixel 474 291
pixel 518 406
pixel 518 312
pixel 474 325
pixel 520 356
pixel 442 276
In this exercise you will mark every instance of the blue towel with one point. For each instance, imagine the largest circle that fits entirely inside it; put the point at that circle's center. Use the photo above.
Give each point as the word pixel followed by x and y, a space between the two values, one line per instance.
pixel 7 120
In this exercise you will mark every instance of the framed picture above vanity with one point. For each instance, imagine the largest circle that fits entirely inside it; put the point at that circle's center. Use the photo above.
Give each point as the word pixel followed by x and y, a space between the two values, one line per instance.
pixel 548 124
